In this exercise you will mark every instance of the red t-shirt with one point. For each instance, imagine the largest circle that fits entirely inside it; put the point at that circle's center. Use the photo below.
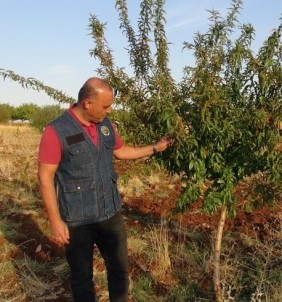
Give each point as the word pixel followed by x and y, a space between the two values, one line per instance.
pixel 50 148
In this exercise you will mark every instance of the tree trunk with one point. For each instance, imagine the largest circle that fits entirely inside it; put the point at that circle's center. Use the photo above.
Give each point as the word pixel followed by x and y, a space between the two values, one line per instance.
pixel 217 252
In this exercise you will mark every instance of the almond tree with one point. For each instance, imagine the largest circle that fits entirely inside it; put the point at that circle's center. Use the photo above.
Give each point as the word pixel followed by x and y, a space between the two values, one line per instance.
pixel 224 114
pixel 232 111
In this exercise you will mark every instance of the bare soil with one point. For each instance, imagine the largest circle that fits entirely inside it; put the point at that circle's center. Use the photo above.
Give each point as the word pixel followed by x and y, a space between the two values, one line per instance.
pixel 250 223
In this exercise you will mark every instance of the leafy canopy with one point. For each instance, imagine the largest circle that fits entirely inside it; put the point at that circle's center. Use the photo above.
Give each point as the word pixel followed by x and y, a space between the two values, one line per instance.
pixel 224 114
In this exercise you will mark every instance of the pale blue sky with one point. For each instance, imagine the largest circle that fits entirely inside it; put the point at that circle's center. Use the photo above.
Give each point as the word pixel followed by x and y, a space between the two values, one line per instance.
pixel 49 40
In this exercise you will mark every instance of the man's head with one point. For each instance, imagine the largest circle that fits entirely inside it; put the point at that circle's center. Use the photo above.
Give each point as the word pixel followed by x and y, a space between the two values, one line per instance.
pixel 96 98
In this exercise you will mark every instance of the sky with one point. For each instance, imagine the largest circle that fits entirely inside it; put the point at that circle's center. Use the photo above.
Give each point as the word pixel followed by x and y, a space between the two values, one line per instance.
pixel 49 40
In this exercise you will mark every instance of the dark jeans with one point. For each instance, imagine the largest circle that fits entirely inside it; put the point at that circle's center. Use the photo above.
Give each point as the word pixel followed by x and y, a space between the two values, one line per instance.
pixel 110 238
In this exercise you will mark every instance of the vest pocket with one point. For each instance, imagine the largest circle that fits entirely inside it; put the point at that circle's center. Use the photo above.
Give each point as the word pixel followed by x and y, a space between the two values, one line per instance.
pixel 76 149
pixel 80 157
pixel 109 143
pixel 80 199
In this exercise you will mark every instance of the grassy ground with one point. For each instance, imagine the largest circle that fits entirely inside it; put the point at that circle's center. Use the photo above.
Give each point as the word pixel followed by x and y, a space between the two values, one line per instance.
pixel 168 261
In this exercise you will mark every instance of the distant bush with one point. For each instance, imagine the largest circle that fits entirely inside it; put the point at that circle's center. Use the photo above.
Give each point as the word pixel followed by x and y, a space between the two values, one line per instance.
pixel 25 112
pixel 45 115
pixel 5 112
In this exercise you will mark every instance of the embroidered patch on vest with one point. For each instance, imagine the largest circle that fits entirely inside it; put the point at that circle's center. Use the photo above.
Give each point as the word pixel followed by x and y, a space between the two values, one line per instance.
pixel 75 138
pixel 105 130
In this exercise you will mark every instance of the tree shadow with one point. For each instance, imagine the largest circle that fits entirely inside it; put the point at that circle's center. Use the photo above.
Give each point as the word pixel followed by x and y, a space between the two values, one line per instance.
pixel 21 229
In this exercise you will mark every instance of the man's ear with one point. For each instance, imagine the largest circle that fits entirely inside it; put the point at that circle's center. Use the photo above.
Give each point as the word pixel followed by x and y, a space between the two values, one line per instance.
pixel 87 103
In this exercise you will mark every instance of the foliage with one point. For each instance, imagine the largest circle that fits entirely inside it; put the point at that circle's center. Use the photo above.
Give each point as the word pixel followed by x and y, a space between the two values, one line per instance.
pixel 126 123
pixel 25 112
pixel 5 112
pixel 143 289
pixel 45 115
pixel 223 115
pixel 233 109
pixel 149 93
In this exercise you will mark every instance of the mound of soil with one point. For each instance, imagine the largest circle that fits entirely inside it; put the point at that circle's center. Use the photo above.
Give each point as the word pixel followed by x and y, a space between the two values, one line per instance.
pixel 255 223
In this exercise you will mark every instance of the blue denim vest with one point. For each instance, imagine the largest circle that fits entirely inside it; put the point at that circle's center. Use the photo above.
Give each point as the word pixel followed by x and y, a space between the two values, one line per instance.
pixel 85 180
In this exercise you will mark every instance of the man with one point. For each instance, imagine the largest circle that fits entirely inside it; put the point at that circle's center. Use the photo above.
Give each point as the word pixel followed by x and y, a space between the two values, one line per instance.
pixel 79 189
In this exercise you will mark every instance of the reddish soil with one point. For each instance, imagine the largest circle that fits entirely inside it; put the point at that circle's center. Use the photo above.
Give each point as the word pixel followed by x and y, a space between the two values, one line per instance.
pixel 251 223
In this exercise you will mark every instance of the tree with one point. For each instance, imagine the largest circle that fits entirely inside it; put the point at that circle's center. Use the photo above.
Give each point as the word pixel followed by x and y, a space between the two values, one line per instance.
pixel 223 115
pixel 45 115
pixel 234 111
pixel 5 112
pixel 25 112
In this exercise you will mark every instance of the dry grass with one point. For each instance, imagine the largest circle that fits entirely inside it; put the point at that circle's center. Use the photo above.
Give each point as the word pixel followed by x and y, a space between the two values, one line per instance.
pixel 18 153
pixel 134 187
pixel 160 244
pixel 257 264
pixel 9 289
pixel 136 245
pixel 38 288
pixel 137 183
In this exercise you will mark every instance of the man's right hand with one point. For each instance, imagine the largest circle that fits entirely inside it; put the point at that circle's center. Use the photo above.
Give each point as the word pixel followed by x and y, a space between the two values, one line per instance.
pixel 60 232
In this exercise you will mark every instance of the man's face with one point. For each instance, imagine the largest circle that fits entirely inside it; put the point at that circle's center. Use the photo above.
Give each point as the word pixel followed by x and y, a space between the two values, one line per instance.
pixel 99 108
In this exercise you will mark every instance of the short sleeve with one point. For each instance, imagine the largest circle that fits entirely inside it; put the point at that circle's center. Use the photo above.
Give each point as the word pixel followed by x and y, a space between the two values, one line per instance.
pixel 50 149
pixel 119 142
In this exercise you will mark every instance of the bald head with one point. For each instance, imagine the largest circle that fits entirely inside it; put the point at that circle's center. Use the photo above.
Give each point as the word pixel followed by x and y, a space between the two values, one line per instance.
pixel 92 87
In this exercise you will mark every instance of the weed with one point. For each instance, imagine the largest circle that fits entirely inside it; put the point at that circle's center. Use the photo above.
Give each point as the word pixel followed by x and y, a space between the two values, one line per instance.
pixel 36 287
pixel 251 269
pixel 9 289
pixel 9 230
pixel 142 289
pixel 159 243
pixel 136 245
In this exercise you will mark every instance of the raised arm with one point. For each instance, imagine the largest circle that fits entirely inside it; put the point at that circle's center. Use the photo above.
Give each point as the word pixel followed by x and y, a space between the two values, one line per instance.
pixel 135 152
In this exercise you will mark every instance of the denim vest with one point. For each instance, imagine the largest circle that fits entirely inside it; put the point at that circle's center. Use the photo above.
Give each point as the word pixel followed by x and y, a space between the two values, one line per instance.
pixel 86 182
